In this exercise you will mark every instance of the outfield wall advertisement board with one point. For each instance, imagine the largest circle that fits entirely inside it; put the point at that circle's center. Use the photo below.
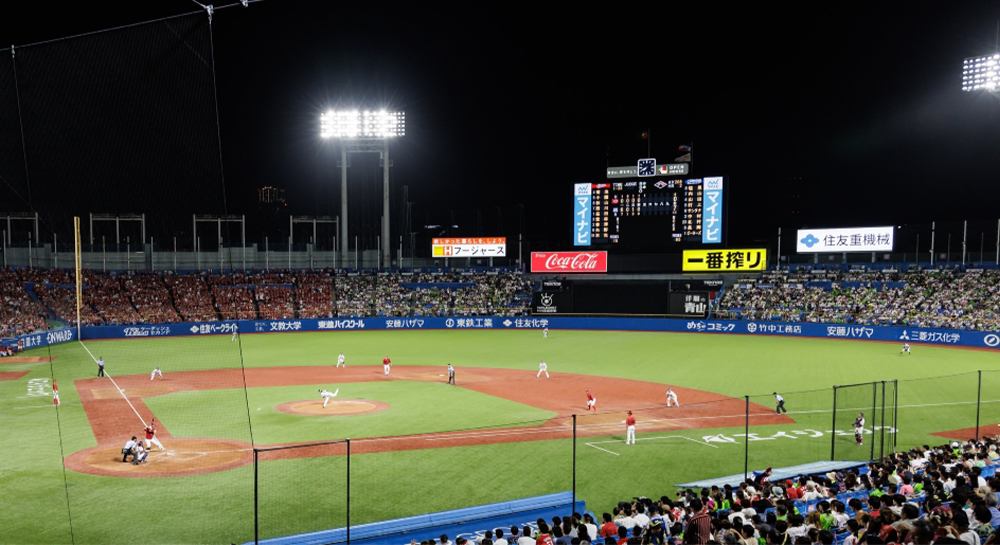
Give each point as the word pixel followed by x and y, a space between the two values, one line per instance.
pixel 945 337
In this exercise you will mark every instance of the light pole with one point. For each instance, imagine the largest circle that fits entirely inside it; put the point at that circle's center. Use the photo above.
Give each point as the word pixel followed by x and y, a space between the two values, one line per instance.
pixel 364 132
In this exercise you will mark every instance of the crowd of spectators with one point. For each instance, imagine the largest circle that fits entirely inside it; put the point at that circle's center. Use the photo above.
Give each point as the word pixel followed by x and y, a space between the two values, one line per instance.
pixel 943 495
pixel 151 298
pixel 19 313
pixel 927 298
pixel 314 295
pixel 155 297
pixel 192 297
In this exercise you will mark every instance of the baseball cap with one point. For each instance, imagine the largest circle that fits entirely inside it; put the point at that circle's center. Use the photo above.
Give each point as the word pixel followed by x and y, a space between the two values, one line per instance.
pixel 630 412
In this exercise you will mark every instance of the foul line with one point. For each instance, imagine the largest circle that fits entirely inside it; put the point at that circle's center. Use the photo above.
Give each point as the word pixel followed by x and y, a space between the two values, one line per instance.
pixel 116 385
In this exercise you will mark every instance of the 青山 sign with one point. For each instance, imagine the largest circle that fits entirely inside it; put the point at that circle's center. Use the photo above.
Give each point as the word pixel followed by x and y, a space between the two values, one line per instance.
pixel 724 260
pixel 857 239
pixel 469 247
pixel 569 262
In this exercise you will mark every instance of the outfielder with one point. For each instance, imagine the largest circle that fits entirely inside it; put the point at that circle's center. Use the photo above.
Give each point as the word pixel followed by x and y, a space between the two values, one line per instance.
pixel 156 373
pixel 906 349
pixel 591 401
pixel 236 333
pixel 672 398
pixel 386 363
pixel 326 395
pixel 543 368
pixel 630 429
pixel 151 435
pixel 545 333
pixel 340 360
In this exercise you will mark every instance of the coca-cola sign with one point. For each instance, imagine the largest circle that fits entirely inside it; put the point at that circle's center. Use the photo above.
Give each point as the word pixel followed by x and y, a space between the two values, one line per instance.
pixel 569 262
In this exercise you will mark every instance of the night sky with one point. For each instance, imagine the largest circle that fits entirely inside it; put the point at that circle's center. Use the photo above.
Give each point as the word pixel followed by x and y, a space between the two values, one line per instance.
pixel 846 115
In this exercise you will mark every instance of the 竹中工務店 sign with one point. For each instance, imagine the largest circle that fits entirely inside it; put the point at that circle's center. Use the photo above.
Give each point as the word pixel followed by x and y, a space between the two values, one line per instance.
pixel 724 260
pixel 469 247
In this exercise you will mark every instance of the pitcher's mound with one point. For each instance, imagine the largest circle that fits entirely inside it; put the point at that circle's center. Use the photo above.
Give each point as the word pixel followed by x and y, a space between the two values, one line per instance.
pixel 181 457
pixel 335 407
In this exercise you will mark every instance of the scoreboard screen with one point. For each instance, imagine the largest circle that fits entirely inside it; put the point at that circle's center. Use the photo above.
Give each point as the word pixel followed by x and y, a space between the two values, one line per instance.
pixel 649 213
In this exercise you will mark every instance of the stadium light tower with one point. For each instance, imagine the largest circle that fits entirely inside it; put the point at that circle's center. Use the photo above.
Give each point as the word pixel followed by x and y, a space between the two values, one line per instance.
pixel 363 132
pixel 981 73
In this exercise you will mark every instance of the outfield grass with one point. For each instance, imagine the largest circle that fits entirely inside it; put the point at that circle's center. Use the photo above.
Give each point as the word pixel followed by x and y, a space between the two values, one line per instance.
pixel 300 494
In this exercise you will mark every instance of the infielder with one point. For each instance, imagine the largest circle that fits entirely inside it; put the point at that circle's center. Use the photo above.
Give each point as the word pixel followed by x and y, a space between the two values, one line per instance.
pixel 906 349
pixel 151 435
pixel 543 368
pixel 591 401
pixel 340 360
pixel 672 398
pixel 326 395
pixel 156 373
pixel 386 363
pixel 451 375
pixel 859 427
pixel 781 403
pixel 630 429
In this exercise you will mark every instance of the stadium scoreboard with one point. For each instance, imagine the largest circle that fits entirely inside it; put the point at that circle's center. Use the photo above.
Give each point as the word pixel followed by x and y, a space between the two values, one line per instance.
pixel 649 212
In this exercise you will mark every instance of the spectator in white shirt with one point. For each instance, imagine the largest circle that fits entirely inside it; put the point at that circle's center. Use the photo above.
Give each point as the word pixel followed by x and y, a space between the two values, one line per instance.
pixel 499 540
pixel 640 518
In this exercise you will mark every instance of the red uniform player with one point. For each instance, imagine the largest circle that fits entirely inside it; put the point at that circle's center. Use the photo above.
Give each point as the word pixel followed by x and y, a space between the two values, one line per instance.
pixel 591 401
pixel 151 435
pixel 630 429
pixel 385 364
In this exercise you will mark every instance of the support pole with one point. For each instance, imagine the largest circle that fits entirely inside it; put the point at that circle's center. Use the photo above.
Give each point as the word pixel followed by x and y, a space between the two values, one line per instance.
pixel 343 200
pixel 256 517
pixel 965 233
pixel 979 399
pixel 573 508
pixel 872 418
pixel 881 438
pixel 348 491
pixel 833 428
pixel 746 443
pixel 778 264
pixel 934 234
pixel 243 238
pixel 385 202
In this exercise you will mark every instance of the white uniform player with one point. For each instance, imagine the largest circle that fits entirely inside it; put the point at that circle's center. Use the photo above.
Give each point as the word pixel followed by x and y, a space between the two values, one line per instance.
pixel 543 368
pixel 545 333
pixel 672 398
pixel 906 349
pixel 630 429
pixel 156 373
pixel 235 334
pixel 326 395
pixel 340 360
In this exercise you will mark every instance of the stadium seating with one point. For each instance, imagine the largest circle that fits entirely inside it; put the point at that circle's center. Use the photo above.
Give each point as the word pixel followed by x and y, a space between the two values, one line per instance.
pixel 166 297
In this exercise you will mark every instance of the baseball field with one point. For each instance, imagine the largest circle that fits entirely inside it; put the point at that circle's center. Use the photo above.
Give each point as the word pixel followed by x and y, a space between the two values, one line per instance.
pixel 420 445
